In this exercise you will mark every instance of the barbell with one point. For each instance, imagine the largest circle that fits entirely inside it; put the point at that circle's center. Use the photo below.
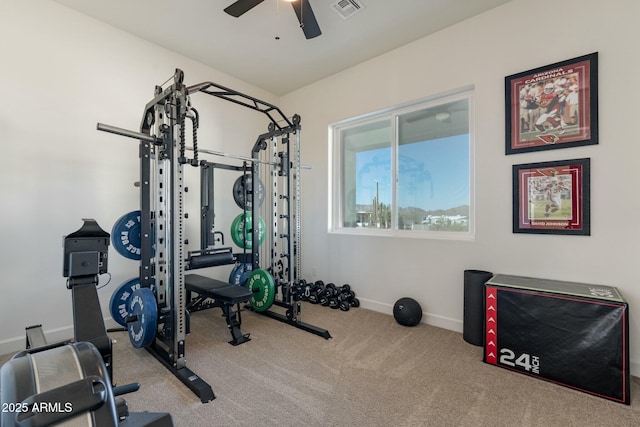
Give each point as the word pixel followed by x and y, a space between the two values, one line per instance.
pixel 154 140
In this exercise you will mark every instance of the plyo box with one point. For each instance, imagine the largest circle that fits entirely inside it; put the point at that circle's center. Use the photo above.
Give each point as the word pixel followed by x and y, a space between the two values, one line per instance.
pixel 572 334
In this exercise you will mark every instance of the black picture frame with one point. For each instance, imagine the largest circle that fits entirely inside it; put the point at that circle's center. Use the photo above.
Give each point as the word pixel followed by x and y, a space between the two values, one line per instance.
pixel 552 197
pixel 552 107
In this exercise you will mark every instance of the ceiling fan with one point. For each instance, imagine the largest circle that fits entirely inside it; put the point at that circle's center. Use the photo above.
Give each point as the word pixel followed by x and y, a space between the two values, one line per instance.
pixel 303 10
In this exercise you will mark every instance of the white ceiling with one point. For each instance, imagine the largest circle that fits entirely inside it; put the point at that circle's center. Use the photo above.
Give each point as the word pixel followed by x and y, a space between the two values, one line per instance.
pixel 247 49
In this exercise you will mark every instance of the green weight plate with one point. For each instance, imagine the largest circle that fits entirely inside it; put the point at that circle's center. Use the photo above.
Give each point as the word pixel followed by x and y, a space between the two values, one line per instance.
pixel 142 305
pixel 261 284
pixel 241 230
pixel 237 230
pixel 262 232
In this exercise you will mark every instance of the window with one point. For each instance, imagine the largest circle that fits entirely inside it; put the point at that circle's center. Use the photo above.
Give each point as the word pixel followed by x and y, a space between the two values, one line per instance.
pixel 406 170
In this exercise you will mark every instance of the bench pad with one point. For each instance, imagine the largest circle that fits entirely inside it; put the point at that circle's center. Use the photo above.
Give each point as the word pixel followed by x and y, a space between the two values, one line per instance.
pixel 217 289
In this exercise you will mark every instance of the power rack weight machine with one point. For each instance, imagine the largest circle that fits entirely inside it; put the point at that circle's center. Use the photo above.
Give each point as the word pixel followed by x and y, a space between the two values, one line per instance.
pixel 163 153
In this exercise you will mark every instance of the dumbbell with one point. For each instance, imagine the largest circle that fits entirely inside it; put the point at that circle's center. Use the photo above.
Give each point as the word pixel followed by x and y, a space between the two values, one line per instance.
pixel 345 296
pixel 344 305
pixel 316 292
pixel 330 290
pixel 345 288
pixel 297 290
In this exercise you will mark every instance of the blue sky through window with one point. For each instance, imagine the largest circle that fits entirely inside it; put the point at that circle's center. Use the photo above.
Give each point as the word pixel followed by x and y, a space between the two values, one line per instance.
pixel 433 174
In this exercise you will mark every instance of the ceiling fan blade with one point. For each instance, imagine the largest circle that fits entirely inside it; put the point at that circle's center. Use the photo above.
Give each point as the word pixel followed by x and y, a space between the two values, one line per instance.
pixel 307 19
pixel 241 7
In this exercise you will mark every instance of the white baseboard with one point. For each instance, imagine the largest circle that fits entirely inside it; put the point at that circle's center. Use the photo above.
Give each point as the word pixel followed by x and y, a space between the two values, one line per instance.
pixel 453 324
pixel 17 344
pixel 14 345
pixel 428 318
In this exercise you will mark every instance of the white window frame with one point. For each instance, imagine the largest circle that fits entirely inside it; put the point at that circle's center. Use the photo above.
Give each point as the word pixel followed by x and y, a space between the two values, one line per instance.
pixel 335 191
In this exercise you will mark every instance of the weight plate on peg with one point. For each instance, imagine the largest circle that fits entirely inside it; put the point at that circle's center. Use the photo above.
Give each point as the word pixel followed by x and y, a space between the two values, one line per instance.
pixel 243 192
pixel 119 302
pixel 125 235
pixel 241 230
pixel 233 273
pixel 261 284
pixel 144 310
pixel 240 274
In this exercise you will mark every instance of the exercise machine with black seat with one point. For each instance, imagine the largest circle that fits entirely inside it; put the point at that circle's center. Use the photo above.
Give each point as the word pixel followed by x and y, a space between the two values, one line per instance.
pixel 72 381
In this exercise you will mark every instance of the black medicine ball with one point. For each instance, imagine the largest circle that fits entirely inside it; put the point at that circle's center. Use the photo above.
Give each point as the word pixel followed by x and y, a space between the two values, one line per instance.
pixel 407 312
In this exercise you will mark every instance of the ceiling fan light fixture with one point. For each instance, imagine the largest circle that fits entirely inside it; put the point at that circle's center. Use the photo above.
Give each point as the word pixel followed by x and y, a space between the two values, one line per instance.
pixel 302 9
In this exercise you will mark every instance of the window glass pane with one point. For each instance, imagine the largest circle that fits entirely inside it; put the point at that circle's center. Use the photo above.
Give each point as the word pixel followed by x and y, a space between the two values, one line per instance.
pixel 406 168
pixel 366 156
pixel 433 168
pixel 433 185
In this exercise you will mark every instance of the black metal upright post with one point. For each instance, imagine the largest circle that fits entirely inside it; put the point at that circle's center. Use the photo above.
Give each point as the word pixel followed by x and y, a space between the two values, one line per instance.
pixel 162 238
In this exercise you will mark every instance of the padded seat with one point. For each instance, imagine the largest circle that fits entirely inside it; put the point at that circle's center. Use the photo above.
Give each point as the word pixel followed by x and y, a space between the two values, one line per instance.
pixel 198 283
pixel 216 293
pixel 233 294
pixel 217 289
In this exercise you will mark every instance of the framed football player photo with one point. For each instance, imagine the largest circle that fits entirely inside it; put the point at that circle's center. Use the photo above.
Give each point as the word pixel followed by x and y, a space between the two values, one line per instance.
pixel 552 197
pixel 555 106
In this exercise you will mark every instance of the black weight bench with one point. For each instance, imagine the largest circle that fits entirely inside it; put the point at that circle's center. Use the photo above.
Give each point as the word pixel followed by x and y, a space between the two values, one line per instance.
pixel 215 293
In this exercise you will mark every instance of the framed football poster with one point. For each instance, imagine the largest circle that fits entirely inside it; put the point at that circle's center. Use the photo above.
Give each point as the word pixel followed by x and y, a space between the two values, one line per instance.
pixel 552 197
pixel 555 106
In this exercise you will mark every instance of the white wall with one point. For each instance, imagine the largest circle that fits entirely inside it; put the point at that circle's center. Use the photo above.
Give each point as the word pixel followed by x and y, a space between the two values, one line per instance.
pixel 61 73
pixel 481 51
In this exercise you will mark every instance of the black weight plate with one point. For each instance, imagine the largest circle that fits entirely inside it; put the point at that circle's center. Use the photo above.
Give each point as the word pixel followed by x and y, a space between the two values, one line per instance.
pixel 243 192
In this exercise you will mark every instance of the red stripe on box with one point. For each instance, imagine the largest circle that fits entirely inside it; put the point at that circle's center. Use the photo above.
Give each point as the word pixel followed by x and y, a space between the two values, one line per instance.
pixel 491 325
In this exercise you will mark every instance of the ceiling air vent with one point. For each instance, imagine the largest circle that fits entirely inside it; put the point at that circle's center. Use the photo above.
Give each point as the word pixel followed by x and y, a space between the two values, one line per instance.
pixel 347 8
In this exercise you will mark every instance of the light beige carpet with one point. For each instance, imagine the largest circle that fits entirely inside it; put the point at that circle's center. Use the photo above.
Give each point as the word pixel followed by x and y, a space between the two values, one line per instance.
pixel 373 372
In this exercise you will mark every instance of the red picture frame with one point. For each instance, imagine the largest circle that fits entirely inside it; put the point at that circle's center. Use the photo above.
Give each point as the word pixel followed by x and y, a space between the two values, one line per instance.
pixel 551 107
pixel 552 197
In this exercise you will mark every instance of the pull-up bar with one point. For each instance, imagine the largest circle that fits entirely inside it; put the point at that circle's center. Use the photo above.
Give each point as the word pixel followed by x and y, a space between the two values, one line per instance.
pixel 231 95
